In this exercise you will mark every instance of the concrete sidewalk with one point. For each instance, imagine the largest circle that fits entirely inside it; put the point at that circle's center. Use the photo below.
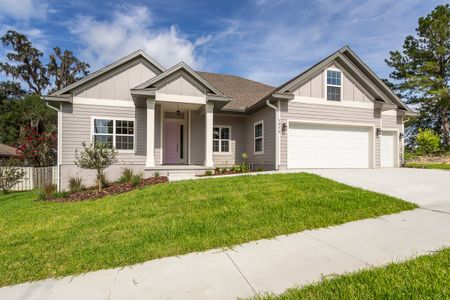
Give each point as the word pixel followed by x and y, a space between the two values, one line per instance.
pixel 261 266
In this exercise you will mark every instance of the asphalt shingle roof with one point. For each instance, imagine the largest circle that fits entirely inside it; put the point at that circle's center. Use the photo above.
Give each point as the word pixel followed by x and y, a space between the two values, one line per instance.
pixel 244 92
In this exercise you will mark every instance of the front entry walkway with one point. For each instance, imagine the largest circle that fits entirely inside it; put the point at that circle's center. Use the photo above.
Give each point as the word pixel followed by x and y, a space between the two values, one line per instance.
pixel 257 267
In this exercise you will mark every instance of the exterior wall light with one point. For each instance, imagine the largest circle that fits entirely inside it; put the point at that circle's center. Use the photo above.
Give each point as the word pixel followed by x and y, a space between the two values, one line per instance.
pixel 379 131
pixel 284 128
pixel 401 135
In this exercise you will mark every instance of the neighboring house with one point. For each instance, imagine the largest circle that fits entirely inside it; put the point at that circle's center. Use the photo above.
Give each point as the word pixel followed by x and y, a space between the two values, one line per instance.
pixel 7 152
pixel 336 114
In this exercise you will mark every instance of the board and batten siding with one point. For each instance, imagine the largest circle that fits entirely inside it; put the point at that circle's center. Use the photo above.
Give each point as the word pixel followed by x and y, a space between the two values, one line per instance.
pixel 180 84
pixel 315 86
pixel 237 140
pixel 325 113
pixel 265 160
pixel 116 85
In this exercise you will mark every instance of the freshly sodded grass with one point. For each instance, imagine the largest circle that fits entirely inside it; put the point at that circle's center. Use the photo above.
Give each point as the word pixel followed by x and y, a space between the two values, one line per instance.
pixel 441 166
pixel 41 239
pixel 426 277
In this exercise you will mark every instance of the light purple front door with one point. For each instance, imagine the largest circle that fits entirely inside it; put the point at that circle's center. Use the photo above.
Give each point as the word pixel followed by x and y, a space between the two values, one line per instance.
pixel 171 145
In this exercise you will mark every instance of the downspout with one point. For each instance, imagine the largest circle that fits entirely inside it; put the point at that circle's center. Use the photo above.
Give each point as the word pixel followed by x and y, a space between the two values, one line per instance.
pixel 59 143
pixel 277 138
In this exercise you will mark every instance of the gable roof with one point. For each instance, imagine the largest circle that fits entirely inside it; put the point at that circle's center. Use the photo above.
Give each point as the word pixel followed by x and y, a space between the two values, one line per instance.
pixel 7 151
pixel 179 67
pixel 114 65
pixel 243 92
pixel 349 58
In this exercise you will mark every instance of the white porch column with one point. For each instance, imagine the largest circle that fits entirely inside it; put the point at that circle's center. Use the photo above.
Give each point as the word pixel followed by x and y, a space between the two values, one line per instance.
pixel 209 135
pixel 150 162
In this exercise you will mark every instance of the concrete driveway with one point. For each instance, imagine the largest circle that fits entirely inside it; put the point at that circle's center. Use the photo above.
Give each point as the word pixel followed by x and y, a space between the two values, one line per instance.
pixel 427 188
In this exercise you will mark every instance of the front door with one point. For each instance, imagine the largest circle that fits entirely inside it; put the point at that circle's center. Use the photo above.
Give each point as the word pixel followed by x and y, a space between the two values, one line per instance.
pixel 173 142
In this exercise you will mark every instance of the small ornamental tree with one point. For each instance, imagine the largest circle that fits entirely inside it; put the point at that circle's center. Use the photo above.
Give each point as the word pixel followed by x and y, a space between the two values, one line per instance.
pixel 428 142
pixel 10 175
pixel 96 156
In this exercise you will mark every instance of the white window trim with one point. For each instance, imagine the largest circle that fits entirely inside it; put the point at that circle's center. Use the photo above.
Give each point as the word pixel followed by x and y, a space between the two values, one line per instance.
pixel 261 137
pixel 114 119
pixel 220 144
pixel 340 86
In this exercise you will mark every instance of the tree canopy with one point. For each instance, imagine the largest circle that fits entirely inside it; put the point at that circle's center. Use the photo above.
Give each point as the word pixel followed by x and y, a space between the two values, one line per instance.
pixel 421 72
pixel 25 121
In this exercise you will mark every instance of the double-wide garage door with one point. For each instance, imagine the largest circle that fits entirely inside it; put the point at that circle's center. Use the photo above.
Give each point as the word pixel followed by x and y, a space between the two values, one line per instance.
pixel 329 146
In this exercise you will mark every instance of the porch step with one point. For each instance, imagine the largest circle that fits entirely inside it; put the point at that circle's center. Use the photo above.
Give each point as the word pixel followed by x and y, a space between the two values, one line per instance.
pixel 177 172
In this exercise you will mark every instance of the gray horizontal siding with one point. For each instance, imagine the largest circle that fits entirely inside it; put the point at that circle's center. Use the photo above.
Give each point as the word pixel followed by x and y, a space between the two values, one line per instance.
pixel 76 128
pixel 237 140
pixel 267 159
pixel 197 135
pixel 393 122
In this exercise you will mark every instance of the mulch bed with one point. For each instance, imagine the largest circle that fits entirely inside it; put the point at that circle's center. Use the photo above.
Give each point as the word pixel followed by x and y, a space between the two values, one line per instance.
pixel 112 189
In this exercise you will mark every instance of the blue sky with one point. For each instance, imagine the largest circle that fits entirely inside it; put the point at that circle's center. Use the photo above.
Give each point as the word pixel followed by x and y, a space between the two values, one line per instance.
pixel 268 41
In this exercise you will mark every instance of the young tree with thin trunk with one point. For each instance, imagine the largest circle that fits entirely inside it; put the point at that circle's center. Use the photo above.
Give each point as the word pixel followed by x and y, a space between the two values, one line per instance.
pixel 96 156
pixel 422 71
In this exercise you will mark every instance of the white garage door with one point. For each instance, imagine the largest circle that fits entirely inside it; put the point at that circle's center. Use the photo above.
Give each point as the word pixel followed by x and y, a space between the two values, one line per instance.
pixel 387 149
pixel 328 146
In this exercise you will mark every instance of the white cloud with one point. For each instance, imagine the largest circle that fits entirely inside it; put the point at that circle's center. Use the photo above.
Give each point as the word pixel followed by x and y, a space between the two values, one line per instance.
pixel 130 29
pixel 24 10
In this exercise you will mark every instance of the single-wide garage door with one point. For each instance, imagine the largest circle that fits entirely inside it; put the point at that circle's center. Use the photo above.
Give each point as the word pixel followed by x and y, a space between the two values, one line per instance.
pixel 387 149
pixel 328 146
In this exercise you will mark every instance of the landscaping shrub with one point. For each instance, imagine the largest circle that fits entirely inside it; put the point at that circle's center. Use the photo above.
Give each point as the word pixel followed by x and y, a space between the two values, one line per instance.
pixel 49 189
pixel 126 176
pixel 244 161
pixel 75 184
pixel 208 173
pixel 218 170
pixel 236 169
pixel 136 179
pixel 156 174
pixel 46 192
pixel 428 142
pixel 259 169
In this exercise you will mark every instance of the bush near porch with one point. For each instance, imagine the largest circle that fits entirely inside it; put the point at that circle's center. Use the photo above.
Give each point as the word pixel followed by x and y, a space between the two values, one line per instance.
pixel 46 239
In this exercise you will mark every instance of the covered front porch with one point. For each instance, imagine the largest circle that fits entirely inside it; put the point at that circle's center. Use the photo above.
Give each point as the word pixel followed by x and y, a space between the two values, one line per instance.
pixel 179 108
pixel 181 134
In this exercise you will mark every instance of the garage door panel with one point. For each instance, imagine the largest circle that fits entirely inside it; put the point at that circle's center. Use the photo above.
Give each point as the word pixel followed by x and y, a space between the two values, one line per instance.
pixel 328 146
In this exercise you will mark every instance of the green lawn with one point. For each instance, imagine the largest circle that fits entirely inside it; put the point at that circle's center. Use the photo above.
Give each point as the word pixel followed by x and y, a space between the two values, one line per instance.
pixel 426 277
pixel 439 166
pixel 41 239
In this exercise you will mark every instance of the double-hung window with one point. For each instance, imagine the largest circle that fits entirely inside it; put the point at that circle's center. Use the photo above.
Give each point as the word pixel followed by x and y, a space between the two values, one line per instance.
pixel 259 137
pixel 221 139
pixel 334 85
pixel 116 133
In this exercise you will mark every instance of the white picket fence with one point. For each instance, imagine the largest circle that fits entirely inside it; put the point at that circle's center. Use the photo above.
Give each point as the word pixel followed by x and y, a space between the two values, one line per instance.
pixel 36 178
